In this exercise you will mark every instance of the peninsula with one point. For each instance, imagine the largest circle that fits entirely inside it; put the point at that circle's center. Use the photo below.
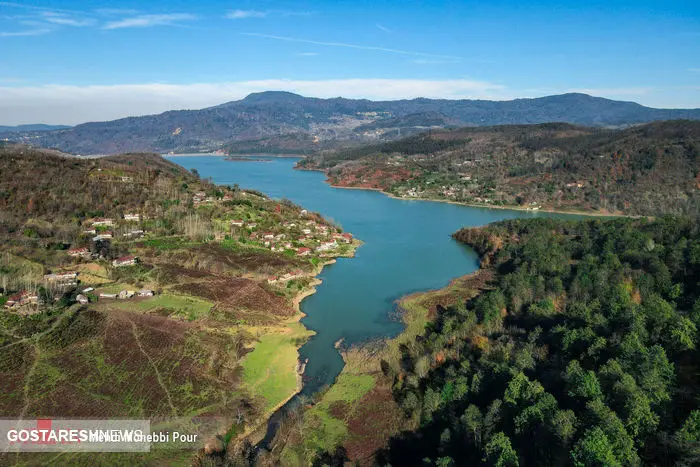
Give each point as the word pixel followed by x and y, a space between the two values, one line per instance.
pixel 130 287
pixel 651 169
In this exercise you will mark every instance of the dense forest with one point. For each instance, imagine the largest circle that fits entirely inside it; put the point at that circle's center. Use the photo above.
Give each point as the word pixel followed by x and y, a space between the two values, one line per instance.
pixel 582 352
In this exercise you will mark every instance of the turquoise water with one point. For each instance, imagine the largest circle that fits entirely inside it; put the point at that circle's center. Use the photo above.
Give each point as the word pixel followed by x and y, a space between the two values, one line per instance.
pixel 407 248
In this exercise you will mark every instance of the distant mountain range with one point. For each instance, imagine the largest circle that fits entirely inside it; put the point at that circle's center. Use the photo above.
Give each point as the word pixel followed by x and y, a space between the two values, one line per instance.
pixel 286 122
pixel 33 127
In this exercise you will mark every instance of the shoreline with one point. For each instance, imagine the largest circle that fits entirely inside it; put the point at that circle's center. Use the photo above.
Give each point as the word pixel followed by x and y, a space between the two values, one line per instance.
pixel 255 432
pixel 491 206
pixel 475 205
pixel 265 154
pixel 243 154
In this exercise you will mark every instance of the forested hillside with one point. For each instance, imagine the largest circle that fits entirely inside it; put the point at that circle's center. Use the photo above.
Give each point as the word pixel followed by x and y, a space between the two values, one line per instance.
pixel 584 351
pixel 652 169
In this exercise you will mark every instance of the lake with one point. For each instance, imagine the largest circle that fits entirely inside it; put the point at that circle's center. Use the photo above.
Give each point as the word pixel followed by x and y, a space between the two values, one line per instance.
pixel 408 248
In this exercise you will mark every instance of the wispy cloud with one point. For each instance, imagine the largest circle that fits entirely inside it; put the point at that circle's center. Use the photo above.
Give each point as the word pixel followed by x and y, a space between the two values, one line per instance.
pixel 63 19
pixel 349 46
pixel 243 14
pixel 307 54
pixel 694 70
pixel 26 32
pixel 116 11
pixel 383 28
pixel 36 8
pixel 144 21
pixel 43 20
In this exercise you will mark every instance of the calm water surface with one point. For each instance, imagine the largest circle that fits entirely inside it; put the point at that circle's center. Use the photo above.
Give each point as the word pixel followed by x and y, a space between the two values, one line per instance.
pixel 407 248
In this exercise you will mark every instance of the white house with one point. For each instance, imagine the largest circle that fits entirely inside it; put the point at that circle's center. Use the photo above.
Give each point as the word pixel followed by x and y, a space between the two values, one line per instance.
pixel 102 236
pixel 325 246
pixel 79 252
pixel 125 261
pixel 102 221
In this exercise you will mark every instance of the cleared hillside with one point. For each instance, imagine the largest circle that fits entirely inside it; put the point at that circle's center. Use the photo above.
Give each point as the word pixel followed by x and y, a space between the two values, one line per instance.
pixel 129 287
pixel 649 169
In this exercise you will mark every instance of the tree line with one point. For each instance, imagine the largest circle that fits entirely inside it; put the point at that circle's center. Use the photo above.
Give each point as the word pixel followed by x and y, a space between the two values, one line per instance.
pixel 583 352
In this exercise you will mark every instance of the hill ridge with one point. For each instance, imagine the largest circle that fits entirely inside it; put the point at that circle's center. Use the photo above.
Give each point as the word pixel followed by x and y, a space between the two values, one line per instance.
pixel 280 121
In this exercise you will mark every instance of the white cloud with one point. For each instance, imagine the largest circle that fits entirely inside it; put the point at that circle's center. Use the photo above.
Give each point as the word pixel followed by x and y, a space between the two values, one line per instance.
pixel 383 28
pixel 142 21
pixel 348 45
pixel 67 104
pixel 36 8
pixel 242 14
pixel 26 32
pixel 116 11
pixel 65 20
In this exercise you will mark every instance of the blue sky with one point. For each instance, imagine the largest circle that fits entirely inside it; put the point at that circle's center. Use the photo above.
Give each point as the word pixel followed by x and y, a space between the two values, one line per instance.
pixel 71 61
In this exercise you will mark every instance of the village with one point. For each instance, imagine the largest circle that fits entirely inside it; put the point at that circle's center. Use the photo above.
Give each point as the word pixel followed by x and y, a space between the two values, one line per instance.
pixel 238 220
pixel 141 268
pixel 451 176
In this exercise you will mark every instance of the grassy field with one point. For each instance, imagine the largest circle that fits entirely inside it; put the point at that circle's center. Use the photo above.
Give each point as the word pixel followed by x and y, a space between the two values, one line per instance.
pixel 115 287
pixel 167 243
pixel 324 431
pixel 92 274
pixel 189 307
pixel 324 426
pixel 269 371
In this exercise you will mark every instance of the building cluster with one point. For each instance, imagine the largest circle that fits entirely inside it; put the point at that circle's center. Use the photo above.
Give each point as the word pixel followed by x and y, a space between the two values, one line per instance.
pixel 128 260
pixel 62 279
pixel 127 294
pixel 22 298
pixel 315 237
pixel 98 228
pixel 286 277
pixel 200 198
pixel 304 236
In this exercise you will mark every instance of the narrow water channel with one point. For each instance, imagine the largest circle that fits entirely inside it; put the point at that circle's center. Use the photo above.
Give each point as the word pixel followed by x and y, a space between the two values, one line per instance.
pixel 407 248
